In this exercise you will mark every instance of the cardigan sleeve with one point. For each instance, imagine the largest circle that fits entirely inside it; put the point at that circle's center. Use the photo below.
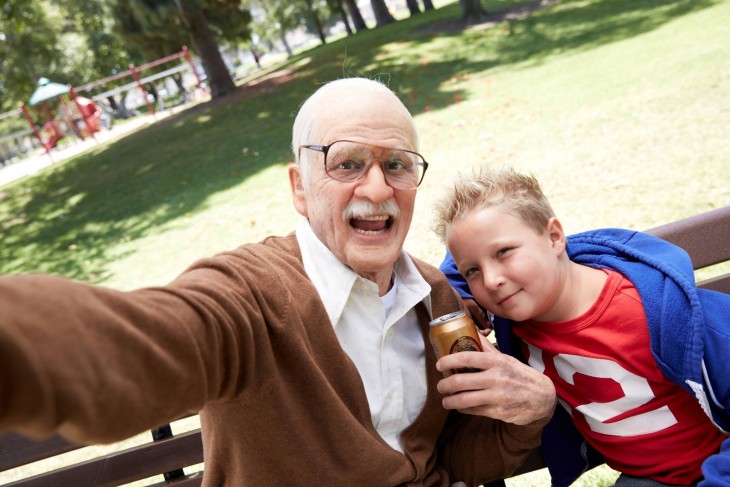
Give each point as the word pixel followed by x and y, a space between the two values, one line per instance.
pixel 99 365
pixel 476 449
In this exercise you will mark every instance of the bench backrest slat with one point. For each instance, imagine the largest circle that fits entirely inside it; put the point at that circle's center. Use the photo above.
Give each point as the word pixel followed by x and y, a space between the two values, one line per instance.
pixel 705 237
pixel 136 463
pixel 17 450
pixel 719 283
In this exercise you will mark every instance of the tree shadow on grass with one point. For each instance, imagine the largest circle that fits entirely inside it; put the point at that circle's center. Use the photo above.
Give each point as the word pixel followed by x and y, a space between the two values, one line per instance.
pixel 69 220
pixel 575 27
pixel 404 58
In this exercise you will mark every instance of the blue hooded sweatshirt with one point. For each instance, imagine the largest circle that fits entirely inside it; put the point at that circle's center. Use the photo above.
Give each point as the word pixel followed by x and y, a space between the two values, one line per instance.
pixel 689 331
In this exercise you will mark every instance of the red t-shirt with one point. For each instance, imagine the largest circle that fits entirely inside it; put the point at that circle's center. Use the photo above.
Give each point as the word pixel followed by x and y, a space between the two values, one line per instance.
pixel 607 379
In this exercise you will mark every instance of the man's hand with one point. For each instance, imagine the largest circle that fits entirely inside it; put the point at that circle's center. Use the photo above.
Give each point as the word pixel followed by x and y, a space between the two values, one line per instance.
pixel 504 388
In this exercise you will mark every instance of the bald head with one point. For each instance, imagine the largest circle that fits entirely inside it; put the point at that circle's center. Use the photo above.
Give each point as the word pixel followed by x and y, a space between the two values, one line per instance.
pixel 347 102
pixel 376 124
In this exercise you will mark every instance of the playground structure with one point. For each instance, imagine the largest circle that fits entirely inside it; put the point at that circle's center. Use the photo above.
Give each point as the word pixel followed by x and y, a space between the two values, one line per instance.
pixel 56 111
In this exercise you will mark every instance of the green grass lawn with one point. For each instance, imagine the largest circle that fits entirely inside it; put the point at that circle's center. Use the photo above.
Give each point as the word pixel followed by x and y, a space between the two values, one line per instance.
pixel 619 107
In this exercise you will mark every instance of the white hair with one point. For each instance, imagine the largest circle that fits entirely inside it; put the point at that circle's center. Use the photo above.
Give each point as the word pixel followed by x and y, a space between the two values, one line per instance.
pixel 306 131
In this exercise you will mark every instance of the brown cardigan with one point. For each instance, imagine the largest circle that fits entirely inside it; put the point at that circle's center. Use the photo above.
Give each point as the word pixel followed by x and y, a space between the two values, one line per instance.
pixel 244 338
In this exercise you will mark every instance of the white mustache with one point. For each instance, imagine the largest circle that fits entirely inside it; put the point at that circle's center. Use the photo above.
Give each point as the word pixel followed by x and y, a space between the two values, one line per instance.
pixel 364 209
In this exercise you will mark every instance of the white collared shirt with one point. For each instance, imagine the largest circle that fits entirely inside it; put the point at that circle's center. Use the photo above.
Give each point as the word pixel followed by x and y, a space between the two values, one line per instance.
pixel 380 335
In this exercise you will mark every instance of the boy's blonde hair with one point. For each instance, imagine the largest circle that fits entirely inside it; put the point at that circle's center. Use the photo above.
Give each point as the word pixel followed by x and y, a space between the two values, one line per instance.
pixel 517 194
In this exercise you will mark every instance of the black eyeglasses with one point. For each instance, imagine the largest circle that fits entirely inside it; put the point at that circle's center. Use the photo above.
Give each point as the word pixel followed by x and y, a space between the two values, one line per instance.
pixel 348 161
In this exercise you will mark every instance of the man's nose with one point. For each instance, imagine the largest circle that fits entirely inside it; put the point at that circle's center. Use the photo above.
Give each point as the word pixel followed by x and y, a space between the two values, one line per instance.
pixel 373 185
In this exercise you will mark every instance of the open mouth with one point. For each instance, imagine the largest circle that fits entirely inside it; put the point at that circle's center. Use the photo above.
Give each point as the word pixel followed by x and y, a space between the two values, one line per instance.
pixel 372 225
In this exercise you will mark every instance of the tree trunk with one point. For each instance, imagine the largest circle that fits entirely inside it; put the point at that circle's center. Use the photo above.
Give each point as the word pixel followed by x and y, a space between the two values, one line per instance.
pixel 357 21
pixel 177 78
pixel 413 7
pixel 317 23
pixel 219 79
pixel 343 16
pixel 472 10
pixel 289 52
pixel 382 15
pixel 255 57
pixel 428 5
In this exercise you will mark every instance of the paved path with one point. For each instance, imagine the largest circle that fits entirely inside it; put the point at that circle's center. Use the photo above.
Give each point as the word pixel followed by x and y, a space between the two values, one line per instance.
pixel 31 165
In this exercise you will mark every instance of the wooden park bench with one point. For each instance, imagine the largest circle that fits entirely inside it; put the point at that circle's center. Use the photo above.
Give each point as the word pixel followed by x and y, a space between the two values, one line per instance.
pixel 165 454
pixel 706 237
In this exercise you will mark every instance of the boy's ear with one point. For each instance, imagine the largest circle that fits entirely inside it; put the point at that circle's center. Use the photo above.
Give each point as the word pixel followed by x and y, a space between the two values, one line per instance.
pixel 557 235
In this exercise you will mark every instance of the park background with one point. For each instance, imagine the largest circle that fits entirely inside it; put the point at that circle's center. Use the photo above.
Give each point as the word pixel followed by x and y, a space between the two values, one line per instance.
pixel 619 107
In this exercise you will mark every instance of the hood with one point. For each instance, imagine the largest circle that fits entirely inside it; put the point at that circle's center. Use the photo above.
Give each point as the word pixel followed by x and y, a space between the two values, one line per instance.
pixel 664 277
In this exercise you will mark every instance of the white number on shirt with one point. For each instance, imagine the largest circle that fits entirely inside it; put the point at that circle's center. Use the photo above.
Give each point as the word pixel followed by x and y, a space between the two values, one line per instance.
pixel 637 392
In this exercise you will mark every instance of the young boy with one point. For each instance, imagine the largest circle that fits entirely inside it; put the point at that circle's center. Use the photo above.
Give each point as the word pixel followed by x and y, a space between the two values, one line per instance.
pixel 637 353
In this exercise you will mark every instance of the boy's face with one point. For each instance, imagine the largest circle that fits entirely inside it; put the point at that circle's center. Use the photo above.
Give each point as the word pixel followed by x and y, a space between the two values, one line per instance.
pixel 511 270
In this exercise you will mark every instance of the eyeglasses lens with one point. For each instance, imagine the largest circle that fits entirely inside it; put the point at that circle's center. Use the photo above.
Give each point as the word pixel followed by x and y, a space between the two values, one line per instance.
pixel 348 161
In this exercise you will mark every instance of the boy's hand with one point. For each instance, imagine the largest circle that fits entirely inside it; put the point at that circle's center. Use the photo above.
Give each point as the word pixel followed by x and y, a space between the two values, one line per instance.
pixel 504 388
pixel 478 315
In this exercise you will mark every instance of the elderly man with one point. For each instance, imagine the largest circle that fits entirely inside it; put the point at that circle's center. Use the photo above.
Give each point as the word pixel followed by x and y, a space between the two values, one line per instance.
pixel 306 355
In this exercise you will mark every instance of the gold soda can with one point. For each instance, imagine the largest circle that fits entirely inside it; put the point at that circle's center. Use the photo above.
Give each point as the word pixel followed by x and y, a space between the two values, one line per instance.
pixel 454 332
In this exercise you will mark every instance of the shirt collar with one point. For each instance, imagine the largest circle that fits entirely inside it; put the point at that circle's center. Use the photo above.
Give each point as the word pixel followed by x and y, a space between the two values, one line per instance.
pixel 334 280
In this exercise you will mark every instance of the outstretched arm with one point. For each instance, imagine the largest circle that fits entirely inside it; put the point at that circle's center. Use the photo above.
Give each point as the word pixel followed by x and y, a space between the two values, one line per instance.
pixel 99 365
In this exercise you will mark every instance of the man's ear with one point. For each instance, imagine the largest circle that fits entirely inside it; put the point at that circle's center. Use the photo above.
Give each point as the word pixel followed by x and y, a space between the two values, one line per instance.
pixel 297 188
pixel 557 235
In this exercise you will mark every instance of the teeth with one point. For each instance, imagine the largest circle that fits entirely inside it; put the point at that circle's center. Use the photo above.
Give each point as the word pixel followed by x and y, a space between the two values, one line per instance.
pixel 367 232
pixel 373 218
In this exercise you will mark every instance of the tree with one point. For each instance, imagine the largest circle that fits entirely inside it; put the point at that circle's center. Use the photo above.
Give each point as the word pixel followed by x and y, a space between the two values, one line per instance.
pixel 413 7
pixel 273 19
pixel 337 7
pixel 93 19
pixel 313 15
pixel 357 19
pixel 67 41
pixel 160 27
pixel 382 14
pixel 472 10
pixel 230 20
pixel 153 29
pixel 28 31
pixel 193 18
pixel 76 41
